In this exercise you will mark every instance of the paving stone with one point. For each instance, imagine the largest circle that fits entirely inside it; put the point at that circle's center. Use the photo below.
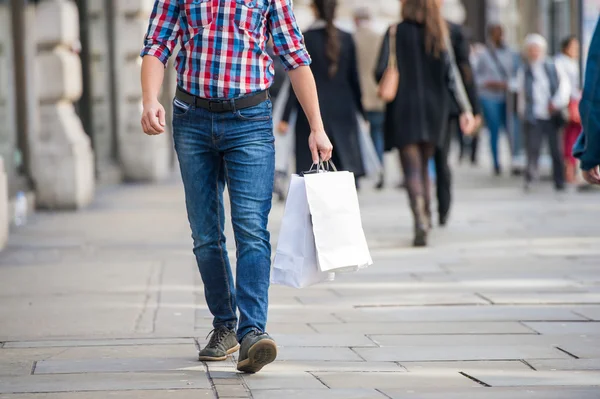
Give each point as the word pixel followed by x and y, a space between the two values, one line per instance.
pixel 497 393
pixel 420 328
pixel 159 394
pixel 129 352
pixel 498 366
pixel 437 353
pixel 565 364
pixel 561 328
pixel 394 380
pixel 538 378
pixel 104 382
pixel 98 342
pixel 484 340
pixel 374 300
pixel 543 298
pixel 326 365
pixel 113 365
pixel 592 313
pixel 582 350
pixel 20 361
pixel 232 391
pixel 318 393
pixel 330 354
pixel 289 328
pixel 318 340
pixel 461 313
pixel 269 379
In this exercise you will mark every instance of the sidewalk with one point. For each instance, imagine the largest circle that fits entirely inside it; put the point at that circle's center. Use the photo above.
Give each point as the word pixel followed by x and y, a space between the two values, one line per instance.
pixel 505 304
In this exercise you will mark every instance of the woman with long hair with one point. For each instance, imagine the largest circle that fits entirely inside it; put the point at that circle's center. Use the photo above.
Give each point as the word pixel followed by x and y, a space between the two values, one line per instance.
pixel 416 118
pixel 334 66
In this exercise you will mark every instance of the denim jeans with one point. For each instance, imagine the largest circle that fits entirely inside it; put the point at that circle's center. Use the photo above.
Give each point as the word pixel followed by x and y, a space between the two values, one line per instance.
pixel 376 119
pixel 233 149
pixel 494 112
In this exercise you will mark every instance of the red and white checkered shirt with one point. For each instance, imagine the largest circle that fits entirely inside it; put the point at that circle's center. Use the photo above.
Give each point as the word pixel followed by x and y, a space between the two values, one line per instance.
pixel 223 43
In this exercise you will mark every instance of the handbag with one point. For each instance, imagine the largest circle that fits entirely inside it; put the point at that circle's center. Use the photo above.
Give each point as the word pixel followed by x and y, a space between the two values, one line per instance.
pixel 388 86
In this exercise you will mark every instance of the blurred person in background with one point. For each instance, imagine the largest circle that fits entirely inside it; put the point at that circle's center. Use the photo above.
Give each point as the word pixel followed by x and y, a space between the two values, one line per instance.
pixel 416 119
pixel 587 147
pixel 544 93
pixel 367 45
pixel 461 47
pixel 568 61
pixel 493 72
pixel 335 68
pixel 223 134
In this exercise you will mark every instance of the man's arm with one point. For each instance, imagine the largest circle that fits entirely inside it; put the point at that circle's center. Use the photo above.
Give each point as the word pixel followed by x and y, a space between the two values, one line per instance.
pixel 160 40
pixel 288 44
pixel 305 88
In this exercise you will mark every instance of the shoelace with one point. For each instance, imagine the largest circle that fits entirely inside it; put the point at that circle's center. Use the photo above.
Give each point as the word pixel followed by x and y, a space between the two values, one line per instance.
pixel 218 335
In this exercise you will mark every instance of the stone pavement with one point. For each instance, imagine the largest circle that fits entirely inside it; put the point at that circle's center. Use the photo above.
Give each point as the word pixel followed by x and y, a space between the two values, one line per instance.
pixel 105 303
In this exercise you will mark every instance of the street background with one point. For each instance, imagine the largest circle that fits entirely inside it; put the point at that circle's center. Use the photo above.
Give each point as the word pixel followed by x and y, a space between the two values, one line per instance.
pixel 100 296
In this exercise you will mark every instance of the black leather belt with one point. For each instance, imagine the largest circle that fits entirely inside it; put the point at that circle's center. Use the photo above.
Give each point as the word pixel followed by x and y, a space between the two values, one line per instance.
pixel 219 106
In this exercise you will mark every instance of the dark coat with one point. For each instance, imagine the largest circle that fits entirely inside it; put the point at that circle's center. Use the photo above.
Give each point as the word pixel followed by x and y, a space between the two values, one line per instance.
pixel 340 102
pixel 420 112
pixel 462 49
pixel 587 148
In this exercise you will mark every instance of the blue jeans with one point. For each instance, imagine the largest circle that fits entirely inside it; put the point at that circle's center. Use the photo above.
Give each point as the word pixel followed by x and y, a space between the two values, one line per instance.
pixel 234 149
pixel 494 112
pixel 376 119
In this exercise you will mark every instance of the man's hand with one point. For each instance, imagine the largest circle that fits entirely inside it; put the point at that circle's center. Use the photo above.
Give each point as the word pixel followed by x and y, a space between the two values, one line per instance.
pixel 551 109
pixel 467 123
pixel 153 118
pixel 283 127
pixel 592 176
pixel 320 146
pixel 496 85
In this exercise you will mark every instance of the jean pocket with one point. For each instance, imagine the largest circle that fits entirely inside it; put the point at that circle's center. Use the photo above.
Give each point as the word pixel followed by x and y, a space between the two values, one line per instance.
pixel 198 13
pixel 180 108
pixel 250 15
pixel 258 113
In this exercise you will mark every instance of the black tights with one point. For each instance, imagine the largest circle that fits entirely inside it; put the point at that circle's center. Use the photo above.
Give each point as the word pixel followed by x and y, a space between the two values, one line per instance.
pixel 415 159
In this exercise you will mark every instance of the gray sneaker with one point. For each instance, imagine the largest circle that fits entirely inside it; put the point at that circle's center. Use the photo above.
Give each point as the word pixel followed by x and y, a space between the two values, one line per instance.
pixel 223 343
pixel 258 350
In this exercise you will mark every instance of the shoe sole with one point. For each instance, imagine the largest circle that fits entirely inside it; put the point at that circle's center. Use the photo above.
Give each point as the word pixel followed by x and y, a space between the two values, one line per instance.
pixel 218 359
pixel 259 355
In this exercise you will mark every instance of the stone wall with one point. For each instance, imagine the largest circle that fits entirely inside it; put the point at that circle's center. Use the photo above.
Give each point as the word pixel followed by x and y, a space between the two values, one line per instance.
pixel 61 155
pixel 143 158
pixel 8 134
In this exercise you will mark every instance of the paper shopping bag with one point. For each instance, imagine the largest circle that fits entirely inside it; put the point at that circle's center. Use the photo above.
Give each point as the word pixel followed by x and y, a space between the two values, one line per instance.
pixel 295 262
pixel 339 237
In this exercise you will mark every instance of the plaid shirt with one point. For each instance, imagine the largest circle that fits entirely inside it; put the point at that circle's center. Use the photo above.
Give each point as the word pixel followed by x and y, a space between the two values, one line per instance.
pixel 223 43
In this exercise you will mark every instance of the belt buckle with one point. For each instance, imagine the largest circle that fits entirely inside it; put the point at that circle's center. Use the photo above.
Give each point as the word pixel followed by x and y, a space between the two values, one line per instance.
pixel 215 106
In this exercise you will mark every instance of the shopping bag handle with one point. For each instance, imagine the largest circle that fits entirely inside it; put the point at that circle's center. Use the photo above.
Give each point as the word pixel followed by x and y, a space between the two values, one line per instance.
pixel 321 166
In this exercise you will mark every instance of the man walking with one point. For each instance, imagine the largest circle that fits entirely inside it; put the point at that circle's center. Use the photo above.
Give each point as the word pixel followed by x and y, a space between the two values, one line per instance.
pixel 368 43
pixel 461 49
pixel 223 134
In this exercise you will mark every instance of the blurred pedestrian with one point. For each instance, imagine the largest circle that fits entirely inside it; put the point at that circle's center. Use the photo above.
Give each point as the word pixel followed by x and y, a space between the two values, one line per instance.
pixel 223 136
pixel 367 45
pixel 568 61
pixel 544 93
pixel 461 49
pixel 416 118
pixel 587 148
pixel 493 72
pixel 334 66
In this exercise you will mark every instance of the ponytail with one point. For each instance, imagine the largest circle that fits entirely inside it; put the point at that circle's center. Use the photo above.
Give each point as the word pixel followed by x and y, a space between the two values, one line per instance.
pixel 326 10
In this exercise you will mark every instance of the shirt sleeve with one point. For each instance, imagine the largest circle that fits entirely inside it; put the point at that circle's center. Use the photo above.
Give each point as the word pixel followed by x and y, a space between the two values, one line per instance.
pixel 163 30
pixel 288 42
pixel 562 96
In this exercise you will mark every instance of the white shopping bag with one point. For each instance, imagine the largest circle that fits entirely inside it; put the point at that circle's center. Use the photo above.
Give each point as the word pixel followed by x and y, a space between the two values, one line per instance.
pixel 296 258
pixel 371 162
pixel 337 226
